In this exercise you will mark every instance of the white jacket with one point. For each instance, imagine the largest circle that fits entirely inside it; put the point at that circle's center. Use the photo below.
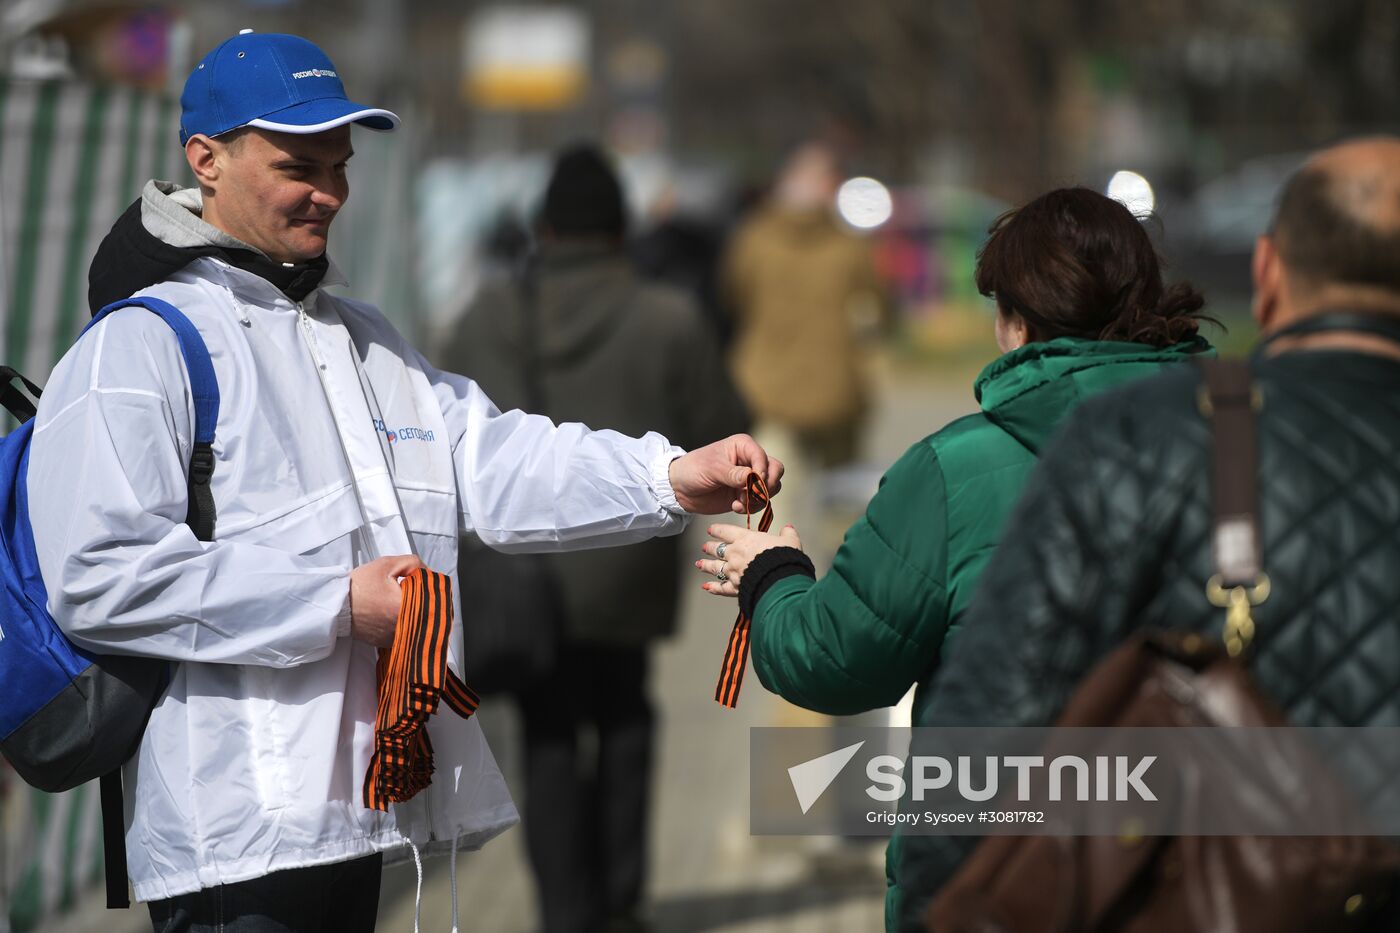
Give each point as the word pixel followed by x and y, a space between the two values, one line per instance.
pixel 253 760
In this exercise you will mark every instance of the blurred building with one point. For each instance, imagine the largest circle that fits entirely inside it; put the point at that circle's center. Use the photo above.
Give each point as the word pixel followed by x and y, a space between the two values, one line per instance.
pixel 1008 94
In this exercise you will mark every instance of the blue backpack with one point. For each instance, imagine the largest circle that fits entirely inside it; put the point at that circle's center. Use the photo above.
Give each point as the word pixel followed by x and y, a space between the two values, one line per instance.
pixel 68 715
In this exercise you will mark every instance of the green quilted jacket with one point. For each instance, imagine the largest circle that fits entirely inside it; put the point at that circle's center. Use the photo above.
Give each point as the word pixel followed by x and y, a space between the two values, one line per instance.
pixel 858 638
pixel 1114 535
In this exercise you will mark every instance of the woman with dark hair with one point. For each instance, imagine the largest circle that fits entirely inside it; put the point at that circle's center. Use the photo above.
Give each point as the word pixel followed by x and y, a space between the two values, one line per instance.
pixel 1081 307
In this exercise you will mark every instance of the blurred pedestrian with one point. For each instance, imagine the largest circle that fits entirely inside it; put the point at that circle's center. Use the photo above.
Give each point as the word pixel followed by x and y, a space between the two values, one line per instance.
pixel 586 340
pixel 1081 307
pixel 683 247
pixel 1115 530
pixel 800 284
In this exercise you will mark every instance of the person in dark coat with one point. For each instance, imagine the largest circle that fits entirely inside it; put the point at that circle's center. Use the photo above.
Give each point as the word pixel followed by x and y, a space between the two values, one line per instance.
pixel 1113 532
pixel 611 351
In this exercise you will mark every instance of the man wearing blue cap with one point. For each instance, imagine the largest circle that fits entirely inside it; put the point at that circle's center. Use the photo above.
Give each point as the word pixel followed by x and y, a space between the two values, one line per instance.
pixel 342 461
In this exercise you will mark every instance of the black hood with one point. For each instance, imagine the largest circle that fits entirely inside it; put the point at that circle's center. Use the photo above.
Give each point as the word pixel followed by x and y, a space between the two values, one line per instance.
pixel 131 258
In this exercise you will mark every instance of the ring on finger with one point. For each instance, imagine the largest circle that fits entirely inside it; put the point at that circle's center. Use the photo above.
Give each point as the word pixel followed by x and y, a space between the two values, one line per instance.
pixel 719 551
pixel 720 575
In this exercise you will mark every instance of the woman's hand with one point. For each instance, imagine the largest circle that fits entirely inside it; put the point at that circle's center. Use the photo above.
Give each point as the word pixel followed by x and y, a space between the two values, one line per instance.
pixel 741 546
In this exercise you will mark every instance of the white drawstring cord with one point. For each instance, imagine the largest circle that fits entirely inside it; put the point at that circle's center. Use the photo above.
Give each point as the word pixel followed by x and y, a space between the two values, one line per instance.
pixel 454 882
pixel 418 898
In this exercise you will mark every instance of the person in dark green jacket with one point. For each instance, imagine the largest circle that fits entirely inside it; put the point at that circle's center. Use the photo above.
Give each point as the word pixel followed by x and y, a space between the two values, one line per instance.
pixel 1081 307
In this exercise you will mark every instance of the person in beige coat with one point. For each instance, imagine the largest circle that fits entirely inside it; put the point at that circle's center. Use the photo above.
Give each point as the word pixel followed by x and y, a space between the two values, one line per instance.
pixel 802 286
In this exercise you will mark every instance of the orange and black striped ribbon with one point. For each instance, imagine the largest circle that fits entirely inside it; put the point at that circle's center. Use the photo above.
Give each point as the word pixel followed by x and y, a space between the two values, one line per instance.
pixel 736 656
pixel 413 678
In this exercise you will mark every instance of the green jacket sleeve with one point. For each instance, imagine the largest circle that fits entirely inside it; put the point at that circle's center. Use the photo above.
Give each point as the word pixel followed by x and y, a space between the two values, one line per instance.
pixel 862 635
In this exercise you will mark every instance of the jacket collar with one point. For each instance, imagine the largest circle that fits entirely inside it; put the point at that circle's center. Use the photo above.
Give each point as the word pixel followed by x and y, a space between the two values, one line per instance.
pixel 242 279
pixel 174 215
pixel 163 232
pixel 1037 363
pixel 1028 391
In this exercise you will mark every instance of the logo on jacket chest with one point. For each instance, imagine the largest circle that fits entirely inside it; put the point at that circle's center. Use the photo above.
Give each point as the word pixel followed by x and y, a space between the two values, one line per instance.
pixel 405 433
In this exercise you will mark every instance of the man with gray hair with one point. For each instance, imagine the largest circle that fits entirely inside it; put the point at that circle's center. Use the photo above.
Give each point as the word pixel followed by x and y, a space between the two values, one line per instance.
pixel 1114 530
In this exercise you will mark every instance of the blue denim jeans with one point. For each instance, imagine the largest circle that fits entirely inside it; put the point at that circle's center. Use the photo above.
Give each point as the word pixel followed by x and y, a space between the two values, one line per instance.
pixel 342 897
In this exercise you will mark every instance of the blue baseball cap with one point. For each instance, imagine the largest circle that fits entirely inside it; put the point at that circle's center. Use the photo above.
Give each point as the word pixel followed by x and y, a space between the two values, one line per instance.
pixel 274 82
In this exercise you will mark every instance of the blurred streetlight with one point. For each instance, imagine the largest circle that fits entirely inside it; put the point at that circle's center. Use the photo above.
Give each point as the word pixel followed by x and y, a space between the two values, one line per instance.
pixel 864 203
pixel 1132 191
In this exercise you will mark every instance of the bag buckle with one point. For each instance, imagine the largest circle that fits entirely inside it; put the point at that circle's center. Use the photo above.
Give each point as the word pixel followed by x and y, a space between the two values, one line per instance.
pixel 202 463
pixel 1238 602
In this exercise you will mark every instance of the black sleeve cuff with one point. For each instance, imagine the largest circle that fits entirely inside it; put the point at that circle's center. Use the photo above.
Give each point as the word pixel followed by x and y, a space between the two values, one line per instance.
pixel 768 568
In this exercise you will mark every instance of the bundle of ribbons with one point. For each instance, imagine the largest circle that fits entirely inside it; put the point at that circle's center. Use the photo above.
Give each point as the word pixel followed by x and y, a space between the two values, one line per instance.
pixel 413 678
pixel 736 656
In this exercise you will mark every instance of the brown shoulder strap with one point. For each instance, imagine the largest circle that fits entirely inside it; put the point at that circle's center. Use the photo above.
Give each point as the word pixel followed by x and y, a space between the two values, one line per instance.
pixel 1229 399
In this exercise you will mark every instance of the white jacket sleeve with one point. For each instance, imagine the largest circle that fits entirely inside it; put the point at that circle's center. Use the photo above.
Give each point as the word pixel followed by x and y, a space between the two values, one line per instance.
pixel 107 500
pixel 526 484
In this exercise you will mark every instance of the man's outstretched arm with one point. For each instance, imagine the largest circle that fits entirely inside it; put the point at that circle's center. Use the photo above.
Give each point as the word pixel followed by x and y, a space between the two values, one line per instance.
pixel 525 483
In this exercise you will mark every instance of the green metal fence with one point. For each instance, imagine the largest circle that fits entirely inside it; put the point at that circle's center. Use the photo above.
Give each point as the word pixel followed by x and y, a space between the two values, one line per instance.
pixel 53 852
pixel 72 157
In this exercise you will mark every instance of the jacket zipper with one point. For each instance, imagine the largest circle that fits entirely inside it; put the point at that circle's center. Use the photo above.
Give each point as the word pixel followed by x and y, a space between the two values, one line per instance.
pixel 309 338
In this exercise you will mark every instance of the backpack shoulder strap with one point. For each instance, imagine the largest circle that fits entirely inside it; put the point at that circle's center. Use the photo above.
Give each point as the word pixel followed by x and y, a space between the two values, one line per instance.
pixel 15 402
pixel 205 389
